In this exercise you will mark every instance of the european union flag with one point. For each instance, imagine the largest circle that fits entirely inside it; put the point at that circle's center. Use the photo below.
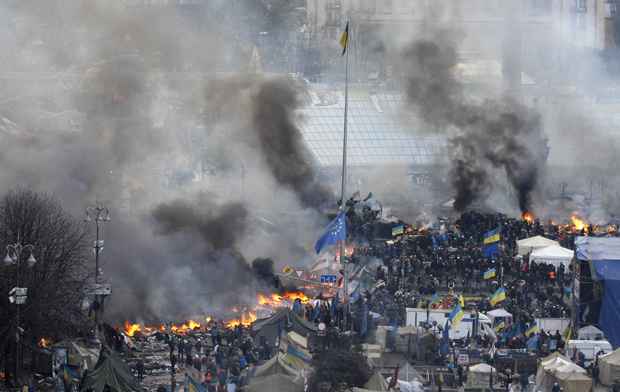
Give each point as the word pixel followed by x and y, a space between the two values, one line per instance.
pixel 335 231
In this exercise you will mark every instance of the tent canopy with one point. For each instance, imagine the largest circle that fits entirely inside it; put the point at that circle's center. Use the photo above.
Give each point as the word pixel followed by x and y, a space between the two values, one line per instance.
pixel 590 333
pixel 482 368
pixel 274 382
pixel 527 245
pixel 112 372
pixel 609 365
pixel 376 383
pixel 553 254
pixel 604 254
pixel 493 314
pixel 558 368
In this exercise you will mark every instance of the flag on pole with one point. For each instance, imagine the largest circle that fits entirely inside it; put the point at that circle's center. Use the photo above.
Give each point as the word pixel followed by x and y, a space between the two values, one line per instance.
pixel 491 243
pixel 456 315
pixel 490 273
pixel 335 231
pixel 435 299
pixel 498 296
pixel 532 330
pixel 491 237
pixel 344 39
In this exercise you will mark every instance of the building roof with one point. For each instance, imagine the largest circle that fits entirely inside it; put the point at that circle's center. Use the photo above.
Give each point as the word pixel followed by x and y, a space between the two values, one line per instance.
pixel 377 129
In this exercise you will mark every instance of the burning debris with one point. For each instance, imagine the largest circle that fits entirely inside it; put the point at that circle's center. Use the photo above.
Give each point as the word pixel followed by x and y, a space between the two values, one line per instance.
pixel 528 217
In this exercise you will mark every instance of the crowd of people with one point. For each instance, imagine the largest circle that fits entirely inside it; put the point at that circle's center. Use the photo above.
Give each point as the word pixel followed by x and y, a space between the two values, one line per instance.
pixel 412 270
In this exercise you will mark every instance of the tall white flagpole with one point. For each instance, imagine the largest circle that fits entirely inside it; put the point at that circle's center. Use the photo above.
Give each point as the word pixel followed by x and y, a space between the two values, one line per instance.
pixel 344 171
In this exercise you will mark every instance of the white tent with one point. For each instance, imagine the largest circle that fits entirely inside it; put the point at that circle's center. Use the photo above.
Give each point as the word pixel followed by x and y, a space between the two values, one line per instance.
pixel 560 369
pixel 528 245
pixel 609 365
pixel 479 375
pixel 498 313
pixel 553 254
pixel 590 332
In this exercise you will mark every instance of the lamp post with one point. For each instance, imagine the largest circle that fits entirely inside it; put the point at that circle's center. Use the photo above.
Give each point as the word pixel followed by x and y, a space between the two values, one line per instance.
pixel 99 214
pixel 18 294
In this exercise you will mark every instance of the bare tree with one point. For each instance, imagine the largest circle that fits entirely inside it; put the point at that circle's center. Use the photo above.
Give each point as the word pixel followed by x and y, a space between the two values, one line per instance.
pixel 56 282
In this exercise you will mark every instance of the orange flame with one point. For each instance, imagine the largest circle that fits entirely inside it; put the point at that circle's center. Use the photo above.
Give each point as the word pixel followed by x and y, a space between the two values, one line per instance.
pixel 578 223
pixel 246 319
pixel 276 300
pixel 131 329
pixel 528 217
pixel 44 343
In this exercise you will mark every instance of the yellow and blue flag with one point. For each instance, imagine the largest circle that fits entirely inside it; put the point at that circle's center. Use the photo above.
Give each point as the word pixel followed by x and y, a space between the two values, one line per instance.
pixel 491 243
pixel 500 327
pixel 491 237
pixel 498 296
pixel 192 386
pixel 490 274
pixel 398 230
pixel 532 330
pixel 344 39
pixel 435 299
pixel 456 315
pixel 334 232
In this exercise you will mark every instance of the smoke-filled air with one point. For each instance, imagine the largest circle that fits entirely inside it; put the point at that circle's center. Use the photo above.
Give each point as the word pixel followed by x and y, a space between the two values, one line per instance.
pixel 309 195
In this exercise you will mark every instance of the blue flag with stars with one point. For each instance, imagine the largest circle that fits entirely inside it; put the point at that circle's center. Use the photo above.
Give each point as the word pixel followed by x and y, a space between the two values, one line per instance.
pixel 335 231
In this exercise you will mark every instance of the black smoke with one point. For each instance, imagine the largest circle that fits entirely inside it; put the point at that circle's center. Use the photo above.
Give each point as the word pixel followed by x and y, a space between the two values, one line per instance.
pixel 281 141
pixel 485 135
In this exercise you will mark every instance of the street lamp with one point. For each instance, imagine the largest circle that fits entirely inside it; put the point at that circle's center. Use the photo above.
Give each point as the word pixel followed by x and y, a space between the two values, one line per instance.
pixel 18 294
pixel 99 214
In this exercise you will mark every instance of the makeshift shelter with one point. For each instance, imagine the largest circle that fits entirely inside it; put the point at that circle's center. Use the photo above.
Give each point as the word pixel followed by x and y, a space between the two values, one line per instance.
pixel 500 314
pixel 270 330
pixel 276 365
pixel 274 382
pixel 479 375
pixel 609 367
pixel 528 245
pixel 590 333
pixel 558 368
pixel 554 255
pixel 79 353
pixel 376 383
pixel 110 372
pixel 603 254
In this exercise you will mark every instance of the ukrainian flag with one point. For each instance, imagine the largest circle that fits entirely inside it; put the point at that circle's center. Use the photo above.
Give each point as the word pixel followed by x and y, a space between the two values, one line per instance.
pixel 491 237
pixel 490 274
pixel 498 296
pixel 192 386
pixel 532 330
pixel 499 327
pixel 456 315
pixel 344 39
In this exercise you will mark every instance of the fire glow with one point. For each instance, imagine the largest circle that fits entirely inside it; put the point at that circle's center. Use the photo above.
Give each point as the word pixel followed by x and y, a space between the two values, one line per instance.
pixel 578 223
pixel 277 301
pixel 44 343
pixel 528 217
pixel 245 320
